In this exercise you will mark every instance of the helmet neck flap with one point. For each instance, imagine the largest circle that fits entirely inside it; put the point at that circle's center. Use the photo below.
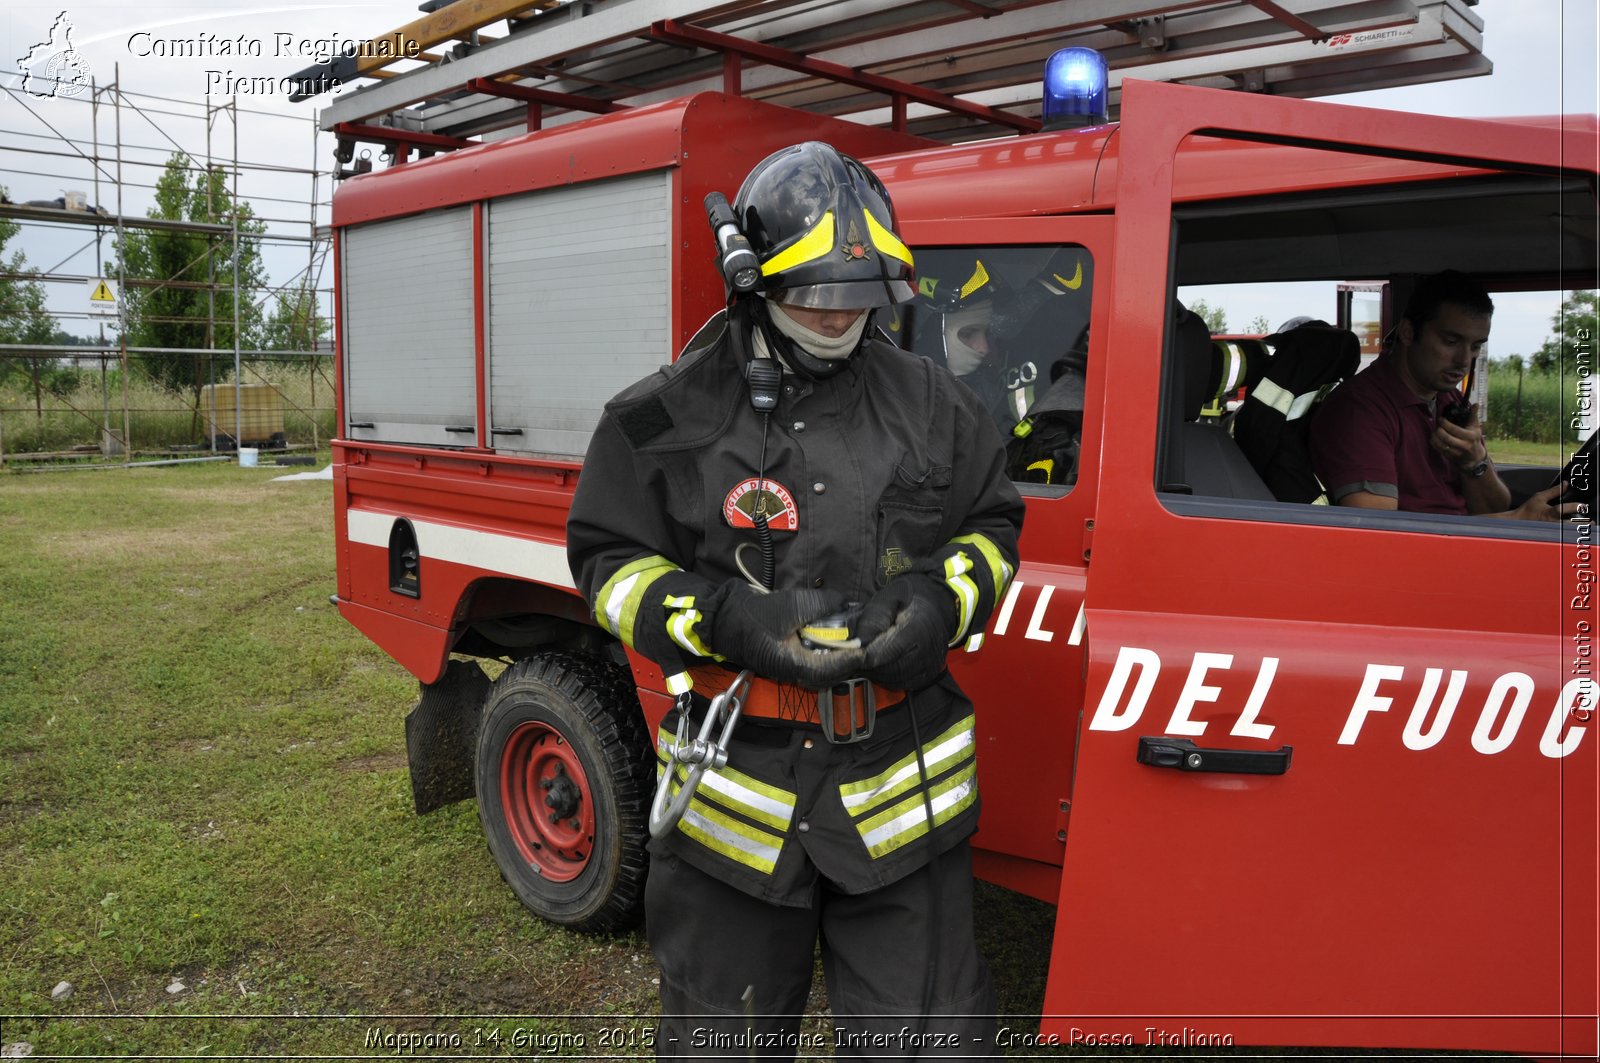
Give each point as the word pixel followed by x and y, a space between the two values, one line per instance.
pixel 792 344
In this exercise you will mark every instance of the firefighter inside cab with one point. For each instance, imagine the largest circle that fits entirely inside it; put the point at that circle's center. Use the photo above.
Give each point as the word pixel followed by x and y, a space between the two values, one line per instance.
pixel 796 521
pixel 993 337
pixel 1402 435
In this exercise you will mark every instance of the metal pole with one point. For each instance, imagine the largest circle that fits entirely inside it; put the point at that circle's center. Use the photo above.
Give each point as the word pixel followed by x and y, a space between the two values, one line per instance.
pixel 211 289
pixel 1519 399
pixel 122 236
pixel 238 371
pixel 99 265
pixel 105 397
pixel 311 286
pixel 125 465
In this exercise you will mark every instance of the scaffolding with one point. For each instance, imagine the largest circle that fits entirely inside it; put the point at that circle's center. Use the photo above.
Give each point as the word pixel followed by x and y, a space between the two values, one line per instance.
pixel 231 401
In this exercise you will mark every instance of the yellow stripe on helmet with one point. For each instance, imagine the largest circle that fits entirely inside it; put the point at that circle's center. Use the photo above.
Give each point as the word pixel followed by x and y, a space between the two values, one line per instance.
pixel 813 245
pixel 886 241
pixel 979 278
pixel 1075 283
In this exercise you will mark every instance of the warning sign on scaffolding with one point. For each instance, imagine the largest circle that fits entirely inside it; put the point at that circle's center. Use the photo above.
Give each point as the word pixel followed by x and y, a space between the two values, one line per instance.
pixel 102 298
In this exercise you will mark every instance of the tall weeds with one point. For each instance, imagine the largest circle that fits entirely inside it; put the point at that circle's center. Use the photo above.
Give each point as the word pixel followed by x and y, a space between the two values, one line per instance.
pixel 156 419
pixel 1535 407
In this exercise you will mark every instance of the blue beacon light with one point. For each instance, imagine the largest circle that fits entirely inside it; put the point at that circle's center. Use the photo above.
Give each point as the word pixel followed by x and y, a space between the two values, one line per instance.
pixel 1075 84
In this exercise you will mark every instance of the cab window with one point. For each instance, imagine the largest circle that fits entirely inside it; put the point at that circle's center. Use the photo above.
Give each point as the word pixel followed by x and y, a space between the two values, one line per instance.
pixel 1012 324
pixel 1319 281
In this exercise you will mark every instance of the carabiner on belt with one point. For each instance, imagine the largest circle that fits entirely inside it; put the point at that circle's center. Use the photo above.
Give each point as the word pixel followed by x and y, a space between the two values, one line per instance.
pixel 698 755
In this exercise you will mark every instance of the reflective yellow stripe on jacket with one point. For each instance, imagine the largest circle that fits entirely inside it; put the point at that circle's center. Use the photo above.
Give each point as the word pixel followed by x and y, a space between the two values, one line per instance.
pixel 736 792
pixel 885 827
pixel 958 577
pixel 616 607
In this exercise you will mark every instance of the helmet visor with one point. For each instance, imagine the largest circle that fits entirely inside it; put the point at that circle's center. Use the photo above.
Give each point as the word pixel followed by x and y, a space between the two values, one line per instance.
pixel 847 295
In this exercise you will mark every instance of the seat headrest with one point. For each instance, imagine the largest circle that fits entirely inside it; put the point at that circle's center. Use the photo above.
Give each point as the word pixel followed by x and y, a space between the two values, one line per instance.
pixel 1312 355
pixel 1197 364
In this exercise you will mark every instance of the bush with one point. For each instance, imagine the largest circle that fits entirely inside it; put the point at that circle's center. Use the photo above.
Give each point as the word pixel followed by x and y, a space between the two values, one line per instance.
pixel 1534 406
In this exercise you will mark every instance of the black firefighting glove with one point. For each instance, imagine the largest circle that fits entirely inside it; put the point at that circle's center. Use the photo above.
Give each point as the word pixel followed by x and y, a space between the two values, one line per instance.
pixel 905 630
pixel 761 632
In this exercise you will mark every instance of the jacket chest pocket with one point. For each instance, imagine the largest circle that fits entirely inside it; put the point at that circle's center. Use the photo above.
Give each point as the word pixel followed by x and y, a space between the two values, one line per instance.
pixel 911 515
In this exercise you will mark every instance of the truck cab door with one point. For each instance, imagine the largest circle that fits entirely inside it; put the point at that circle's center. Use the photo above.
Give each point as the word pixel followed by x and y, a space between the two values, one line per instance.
pixel 1335 780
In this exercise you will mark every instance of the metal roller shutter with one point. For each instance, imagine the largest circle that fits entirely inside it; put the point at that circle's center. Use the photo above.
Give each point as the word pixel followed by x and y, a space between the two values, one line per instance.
pixel 408 332
pixel 579 285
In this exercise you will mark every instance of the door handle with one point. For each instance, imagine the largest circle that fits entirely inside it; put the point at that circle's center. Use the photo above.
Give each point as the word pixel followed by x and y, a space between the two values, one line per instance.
pixel 1184 755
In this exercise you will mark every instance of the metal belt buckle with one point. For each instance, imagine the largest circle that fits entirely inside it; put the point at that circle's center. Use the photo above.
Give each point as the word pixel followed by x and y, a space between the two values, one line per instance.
pixel 828 714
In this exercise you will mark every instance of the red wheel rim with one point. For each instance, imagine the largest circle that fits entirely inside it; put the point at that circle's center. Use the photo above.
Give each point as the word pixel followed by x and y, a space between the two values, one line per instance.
pixel 547 800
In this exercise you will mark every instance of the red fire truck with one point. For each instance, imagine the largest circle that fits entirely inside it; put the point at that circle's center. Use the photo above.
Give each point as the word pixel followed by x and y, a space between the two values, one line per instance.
pixel 1291 773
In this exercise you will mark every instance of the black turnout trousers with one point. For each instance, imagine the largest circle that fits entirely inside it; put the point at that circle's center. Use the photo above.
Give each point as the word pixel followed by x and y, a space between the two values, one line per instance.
pixel 902 968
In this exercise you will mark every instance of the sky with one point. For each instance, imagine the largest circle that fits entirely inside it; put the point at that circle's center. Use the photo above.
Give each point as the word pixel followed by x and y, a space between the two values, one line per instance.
pixel 1544 53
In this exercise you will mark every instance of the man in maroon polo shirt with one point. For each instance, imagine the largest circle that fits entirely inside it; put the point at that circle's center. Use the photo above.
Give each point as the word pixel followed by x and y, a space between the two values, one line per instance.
pixel 1382 440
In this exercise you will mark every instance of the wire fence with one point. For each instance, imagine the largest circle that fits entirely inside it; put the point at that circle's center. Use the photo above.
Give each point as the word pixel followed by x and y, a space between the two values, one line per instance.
pixel 77 405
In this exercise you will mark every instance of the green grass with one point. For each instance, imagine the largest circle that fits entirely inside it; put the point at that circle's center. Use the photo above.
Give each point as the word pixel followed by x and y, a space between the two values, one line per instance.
pixel 1521 452
pixel 202 778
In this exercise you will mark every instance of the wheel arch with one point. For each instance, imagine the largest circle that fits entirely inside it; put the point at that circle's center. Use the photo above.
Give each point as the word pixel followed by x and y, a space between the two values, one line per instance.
pixel 509 619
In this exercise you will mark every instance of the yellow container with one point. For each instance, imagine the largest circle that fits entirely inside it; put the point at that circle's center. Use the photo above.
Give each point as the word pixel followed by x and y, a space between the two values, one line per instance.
pixel 260 414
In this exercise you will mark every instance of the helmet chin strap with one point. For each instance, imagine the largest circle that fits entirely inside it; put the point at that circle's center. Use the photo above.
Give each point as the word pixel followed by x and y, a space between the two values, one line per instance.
pixel 808 353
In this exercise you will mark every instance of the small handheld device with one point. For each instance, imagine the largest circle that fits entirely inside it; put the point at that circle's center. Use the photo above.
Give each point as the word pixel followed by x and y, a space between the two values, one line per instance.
pixel 836 631
pixel 1459 412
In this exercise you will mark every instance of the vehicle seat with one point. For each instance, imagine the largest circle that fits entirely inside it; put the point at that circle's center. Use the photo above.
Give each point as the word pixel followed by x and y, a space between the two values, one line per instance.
pixel 1202 458
pixel 1273 427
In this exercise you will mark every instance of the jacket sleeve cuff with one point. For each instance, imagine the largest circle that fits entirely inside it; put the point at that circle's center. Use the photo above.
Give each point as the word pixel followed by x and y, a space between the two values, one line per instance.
pixel 977 573
pixel 661 612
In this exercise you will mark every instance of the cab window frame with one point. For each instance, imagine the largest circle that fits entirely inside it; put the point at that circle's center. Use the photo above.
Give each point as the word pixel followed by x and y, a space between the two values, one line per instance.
pixel 1013 265
pixel 1426 202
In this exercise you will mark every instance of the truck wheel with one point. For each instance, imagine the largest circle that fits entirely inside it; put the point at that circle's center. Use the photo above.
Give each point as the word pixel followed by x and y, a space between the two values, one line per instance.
pixel 564 779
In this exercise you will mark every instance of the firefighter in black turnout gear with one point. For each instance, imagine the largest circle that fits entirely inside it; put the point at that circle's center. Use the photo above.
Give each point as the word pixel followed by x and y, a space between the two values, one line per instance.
pixel 789 466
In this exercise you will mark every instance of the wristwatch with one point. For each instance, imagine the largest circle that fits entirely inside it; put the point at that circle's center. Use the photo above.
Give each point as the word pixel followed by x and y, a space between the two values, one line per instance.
pixel 1478 469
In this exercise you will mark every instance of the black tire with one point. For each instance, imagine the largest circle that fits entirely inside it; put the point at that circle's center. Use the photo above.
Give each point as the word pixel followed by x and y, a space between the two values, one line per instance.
pixel 564 776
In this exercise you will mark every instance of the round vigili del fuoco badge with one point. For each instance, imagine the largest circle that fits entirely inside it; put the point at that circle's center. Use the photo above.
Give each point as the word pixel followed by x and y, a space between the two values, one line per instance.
pixel 773 499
